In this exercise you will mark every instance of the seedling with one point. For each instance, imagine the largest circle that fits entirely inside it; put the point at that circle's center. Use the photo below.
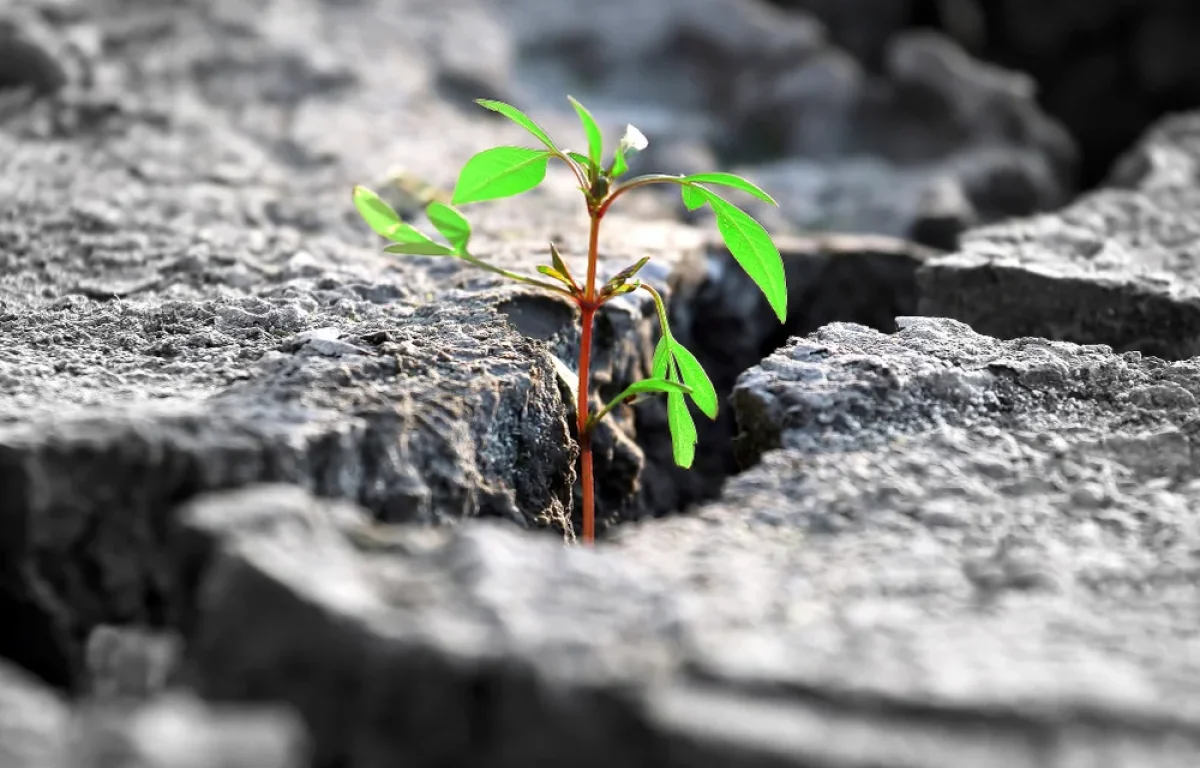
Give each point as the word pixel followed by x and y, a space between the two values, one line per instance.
pixel 507 171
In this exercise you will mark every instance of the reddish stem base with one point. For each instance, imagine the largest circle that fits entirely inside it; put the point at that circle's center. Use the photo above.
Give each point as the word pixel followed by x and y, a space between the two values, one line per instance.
pixel 585 439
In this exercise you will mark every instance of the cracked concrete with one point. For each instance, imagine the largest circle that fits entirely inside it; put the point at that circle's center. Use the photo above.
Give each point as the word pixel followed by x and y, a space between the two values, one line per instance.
pixel 256 472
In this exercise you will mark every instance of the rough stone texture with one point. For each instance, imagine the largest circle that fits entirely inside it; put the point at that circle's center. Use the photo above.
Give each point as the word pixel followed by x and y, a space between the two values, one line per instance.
pixel 189 302
pixel 936 371
pixel 1116 267
pixel 226 418
pixel 966 551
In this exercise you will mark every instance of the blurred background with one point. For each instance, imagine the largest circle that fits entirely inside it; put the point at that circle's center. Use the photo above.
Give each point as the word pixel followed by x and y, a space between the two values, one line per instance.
pixel 912 118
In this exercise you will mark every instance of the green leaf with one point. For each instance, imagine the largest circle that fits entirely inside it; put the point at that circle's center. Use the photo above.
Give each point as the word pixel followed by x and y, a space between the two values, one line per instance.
pixel 619 165
pixel 595 138
pixel 428 248
pixel 637 391
pixel 652 386
pixel 662 358
pixel 625 274
pixel 554 273
pixel 584 161
pixel 385 221
pixel 692 373
pixel 730 180
pixel 753 249
pixel 500 172
pixel 451 223
pixel 407 233
pixel 521 119
pixel 679 418
pixel 561 268
pixel 379 216
pixel 683 430
pixel 693 197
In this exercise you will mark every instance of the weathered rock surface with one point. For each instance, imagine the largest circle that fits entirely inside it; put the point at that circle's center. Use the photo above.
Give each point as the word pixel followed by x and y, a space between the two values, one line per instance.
pixel 226 419
pixel 727 323
pixel 1116 267
pixel 966 550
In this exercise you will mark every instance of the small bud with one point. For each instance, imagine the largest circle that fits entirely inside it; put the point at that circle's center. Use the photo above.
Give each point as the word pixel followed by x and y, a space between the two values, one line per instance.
pixel 599 188
pixel 634 139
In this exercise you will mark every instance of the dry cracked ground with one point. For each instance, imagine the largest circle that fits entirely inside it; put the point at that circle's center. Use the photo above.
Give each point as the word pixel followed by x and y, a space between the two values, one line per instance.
pixel 270 498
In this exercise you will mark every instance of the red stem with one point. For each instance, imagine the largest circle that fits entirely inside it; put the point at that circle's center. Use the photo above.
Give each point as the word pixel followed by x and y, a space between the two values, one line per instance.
pixel 585 437
pixel 588 308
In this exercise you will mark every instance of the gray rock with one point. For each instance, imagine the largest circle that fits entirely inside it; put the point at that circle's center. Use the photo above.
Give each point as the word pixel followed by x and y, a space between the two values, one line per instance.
pixel 1111 268
pixel 1130 62
pixel 689 57
pixel 424 634
pixel 438 413
pixel 943 213
pixel 180 731
pixel 964 549
pixel 224 415
pixel 936 371
pixel 130 663
pixel 33 721
pixel 862 27
pixel 844 145
pixel 869 151
pixel 28 55
pixel 1166 156
pixel 724 319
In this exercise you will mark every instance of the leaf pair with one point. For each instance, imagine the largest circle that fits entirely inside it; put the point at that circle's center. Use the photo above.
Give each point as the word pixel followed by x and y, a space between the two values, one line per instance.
pixel 674 363
pixel 507 171
pixel 746 239
pixel 406 238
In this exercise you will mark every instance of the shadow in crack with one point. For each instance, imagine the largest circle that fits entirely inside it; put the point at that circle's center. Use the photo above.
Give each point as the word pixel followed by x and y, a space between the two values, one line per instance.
pixel 35 636
pixel 720 315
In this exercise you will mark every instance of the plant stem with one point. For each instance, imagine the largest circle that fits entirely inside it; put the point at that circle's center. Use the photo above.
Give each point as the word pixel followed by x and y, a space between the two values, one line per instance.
pixel 587 314
pixel 585 436
pixel 640 181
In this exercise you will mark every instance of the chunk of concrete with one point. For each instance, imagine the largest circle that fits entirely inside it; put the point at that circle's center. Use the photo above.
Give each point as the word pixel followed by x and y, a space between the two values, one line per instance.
pixel 958 549
pixel 1115 267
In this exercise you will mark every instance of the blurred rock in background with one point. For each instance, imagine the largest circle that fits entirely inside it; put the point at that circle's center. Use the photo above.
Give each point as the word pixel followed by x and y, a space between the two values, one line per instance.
pixel 855 128
pixel 1131 62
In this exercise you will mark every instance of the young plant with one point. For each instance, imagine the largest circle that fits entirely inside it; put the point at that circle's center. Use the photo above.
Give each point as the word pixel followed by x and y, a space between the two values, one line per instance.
pixel 507 171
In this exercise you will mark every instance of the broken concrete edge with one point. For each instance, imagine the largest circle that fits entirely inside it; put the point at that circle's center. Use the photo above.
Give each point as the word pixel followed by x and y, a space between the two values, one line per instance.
pixel 318 402
pixel 444 689
pixel 385 678
pixel 724 319
pixel 850 387
pixel 1109 268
